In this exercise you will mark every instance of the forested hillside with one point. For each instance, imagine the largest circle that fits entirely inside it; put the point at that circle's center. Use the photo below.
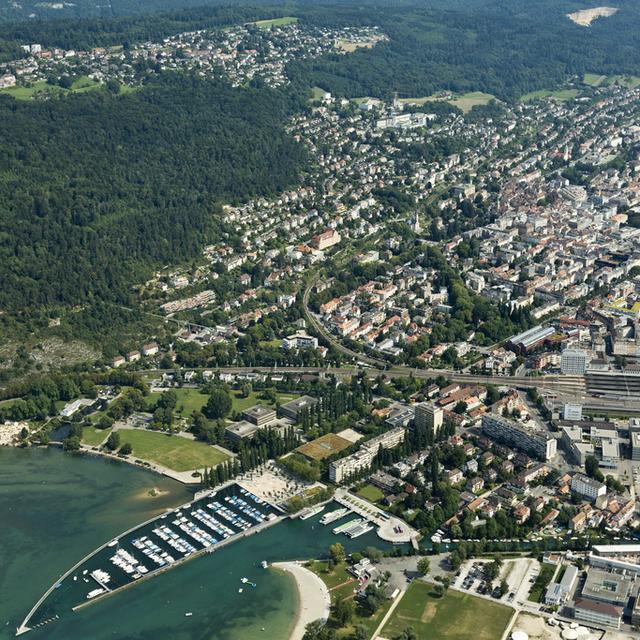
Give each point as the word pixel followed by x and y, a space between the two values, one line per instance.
pixel 97 189
pixel 506 49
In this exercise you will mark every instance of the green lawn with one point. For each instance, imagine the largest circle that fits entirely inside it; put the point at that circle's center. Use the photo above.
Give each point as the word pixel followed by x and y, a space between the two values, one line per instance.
pixel 559 94
pixel 175 452
pixel 454 616
pixel 370 493
pixel 189 400
pixel 255 397
pixel 540 585
pixel 276 22
pixel 94 437
pixel 593 79
pixel 317 93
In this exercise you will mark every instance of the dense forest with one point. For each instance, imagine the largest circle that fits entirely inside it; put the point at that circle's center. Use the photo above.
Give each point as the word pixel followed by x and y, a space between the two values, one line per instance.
pixel 97 189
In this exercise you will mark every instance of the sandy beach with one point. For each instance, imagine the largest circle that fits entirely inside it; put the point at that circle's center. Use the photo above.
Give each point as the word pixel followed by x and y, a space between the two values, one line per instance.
pixel 315 601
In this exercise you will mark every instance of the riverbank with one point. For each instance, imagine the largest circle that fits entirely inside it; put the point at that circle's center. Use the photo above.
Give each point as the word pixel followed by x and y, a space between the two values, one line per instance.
pixel 314 601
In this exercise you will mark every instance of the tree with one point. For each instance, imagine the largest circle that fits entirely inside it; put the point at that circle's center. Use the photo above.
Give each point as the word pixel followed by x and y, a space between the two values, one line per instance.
pixel 113 441
pixel 407 634
pixel 126 449
pixel 374 554
pixel 218 405
pixel 343 611
pixel 592 468
pixel 424 566
pixel 337 553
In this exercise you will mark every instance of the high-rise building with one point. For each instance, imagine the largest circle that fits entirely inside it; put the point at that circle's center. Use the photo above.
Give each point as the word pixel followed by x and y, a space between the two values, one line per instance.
pixel 429 416
pixel 573 362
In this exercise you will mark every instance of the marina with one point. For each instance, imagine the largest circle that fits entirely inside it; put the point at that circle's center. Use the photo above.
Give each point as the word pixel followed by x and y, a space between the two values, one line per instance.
pixel 199 527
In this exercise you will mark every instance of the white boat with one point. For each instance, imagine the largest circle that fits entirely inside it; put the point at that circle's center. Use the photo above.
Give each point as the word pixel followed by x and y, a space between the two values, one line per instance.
pixel 240 590
pixel 188 614
pixel 332 516
pixel 311 511
pixel 94 593
pixel 113 543
pixel 264 564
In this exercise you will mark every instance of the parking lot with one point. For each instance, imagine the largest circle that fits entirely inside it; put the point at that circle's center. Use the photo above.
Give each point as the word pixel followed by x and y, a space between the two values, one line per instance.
pixel 518 573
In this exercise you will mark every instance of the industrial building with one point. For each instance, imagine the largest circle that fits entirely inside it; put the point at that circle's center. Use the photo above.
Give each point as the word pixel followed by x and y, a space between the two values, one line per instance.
pixel 530 439
pixel 527 340
pixel 599 613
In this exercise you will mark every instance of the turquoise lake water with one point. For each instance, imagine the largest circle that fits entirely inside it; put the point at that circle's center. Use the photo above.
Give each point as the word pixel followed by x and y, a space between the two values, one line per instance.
pixel 55 508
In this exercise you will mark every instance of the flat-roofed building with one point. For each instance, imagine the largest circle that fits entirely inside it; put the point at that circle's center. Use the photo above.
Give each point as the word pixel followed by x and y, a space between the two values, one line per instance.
pixel 574 446
pixel 362 459
pixel 634 438
pixel 239 431
pixel 573 362
pixel 558 592
pixel 428 416
pixel 259 415
pixel 531 438
pixel 597 613
pixel 603 586
pixel 587 487
pixel 292 408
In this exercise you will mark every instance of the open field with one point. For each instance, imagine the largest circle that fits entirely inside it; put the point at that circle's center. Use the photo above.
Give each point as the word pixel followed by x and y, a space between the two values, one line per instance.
pixel 94 437
pixel 276 22
pixel 454 616
pixel 255 397
pixel 174 452
pixel 370 493
pixel 350 47
pixel 593 79
pixel 189 400
pixel 317 93
pixel 323 447
pixel 465 101
pixel 559 94
pixel 585 17
pixel 80 85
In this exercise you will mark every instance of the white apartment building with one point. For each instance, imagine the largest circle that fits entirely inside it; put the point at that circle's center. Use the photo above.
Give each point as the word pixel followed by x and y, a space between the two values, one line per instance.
pixel 573 362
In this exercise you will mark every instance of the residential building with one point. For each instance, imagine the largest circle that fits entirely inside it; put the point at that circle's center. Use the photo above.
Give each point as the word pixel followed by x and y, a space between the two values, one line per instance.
pixel 587 487
pixel 428 416
pixel 529 439
pixel 300 341
pixel 362 459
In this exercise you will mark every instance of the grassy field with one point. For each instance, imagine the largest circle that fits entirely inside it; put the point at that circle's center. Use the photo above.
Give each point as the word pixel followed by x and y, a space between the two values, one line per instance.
pixel 540 585
pixel 94 437
pixel 174 452
pixel 370 493
pixel 559 94
pixel 593 79
pixel 255 397
pixel 276 22
pixel 317 93
pixel 80 85
pixel 324 446
pixel 454 616
pixel 189 400
pixel 464 101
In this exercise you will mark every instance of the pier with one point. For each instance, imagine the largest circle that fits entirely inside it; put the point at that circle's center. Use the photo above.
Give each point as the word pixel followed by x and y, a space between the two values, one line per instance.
pixel 389 528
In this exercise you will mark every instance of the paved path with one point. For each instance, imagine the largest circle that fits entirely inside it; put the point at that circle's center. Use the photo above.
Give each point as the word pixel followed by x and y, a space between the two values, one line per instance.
pixel 377 632
pixel 315 601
